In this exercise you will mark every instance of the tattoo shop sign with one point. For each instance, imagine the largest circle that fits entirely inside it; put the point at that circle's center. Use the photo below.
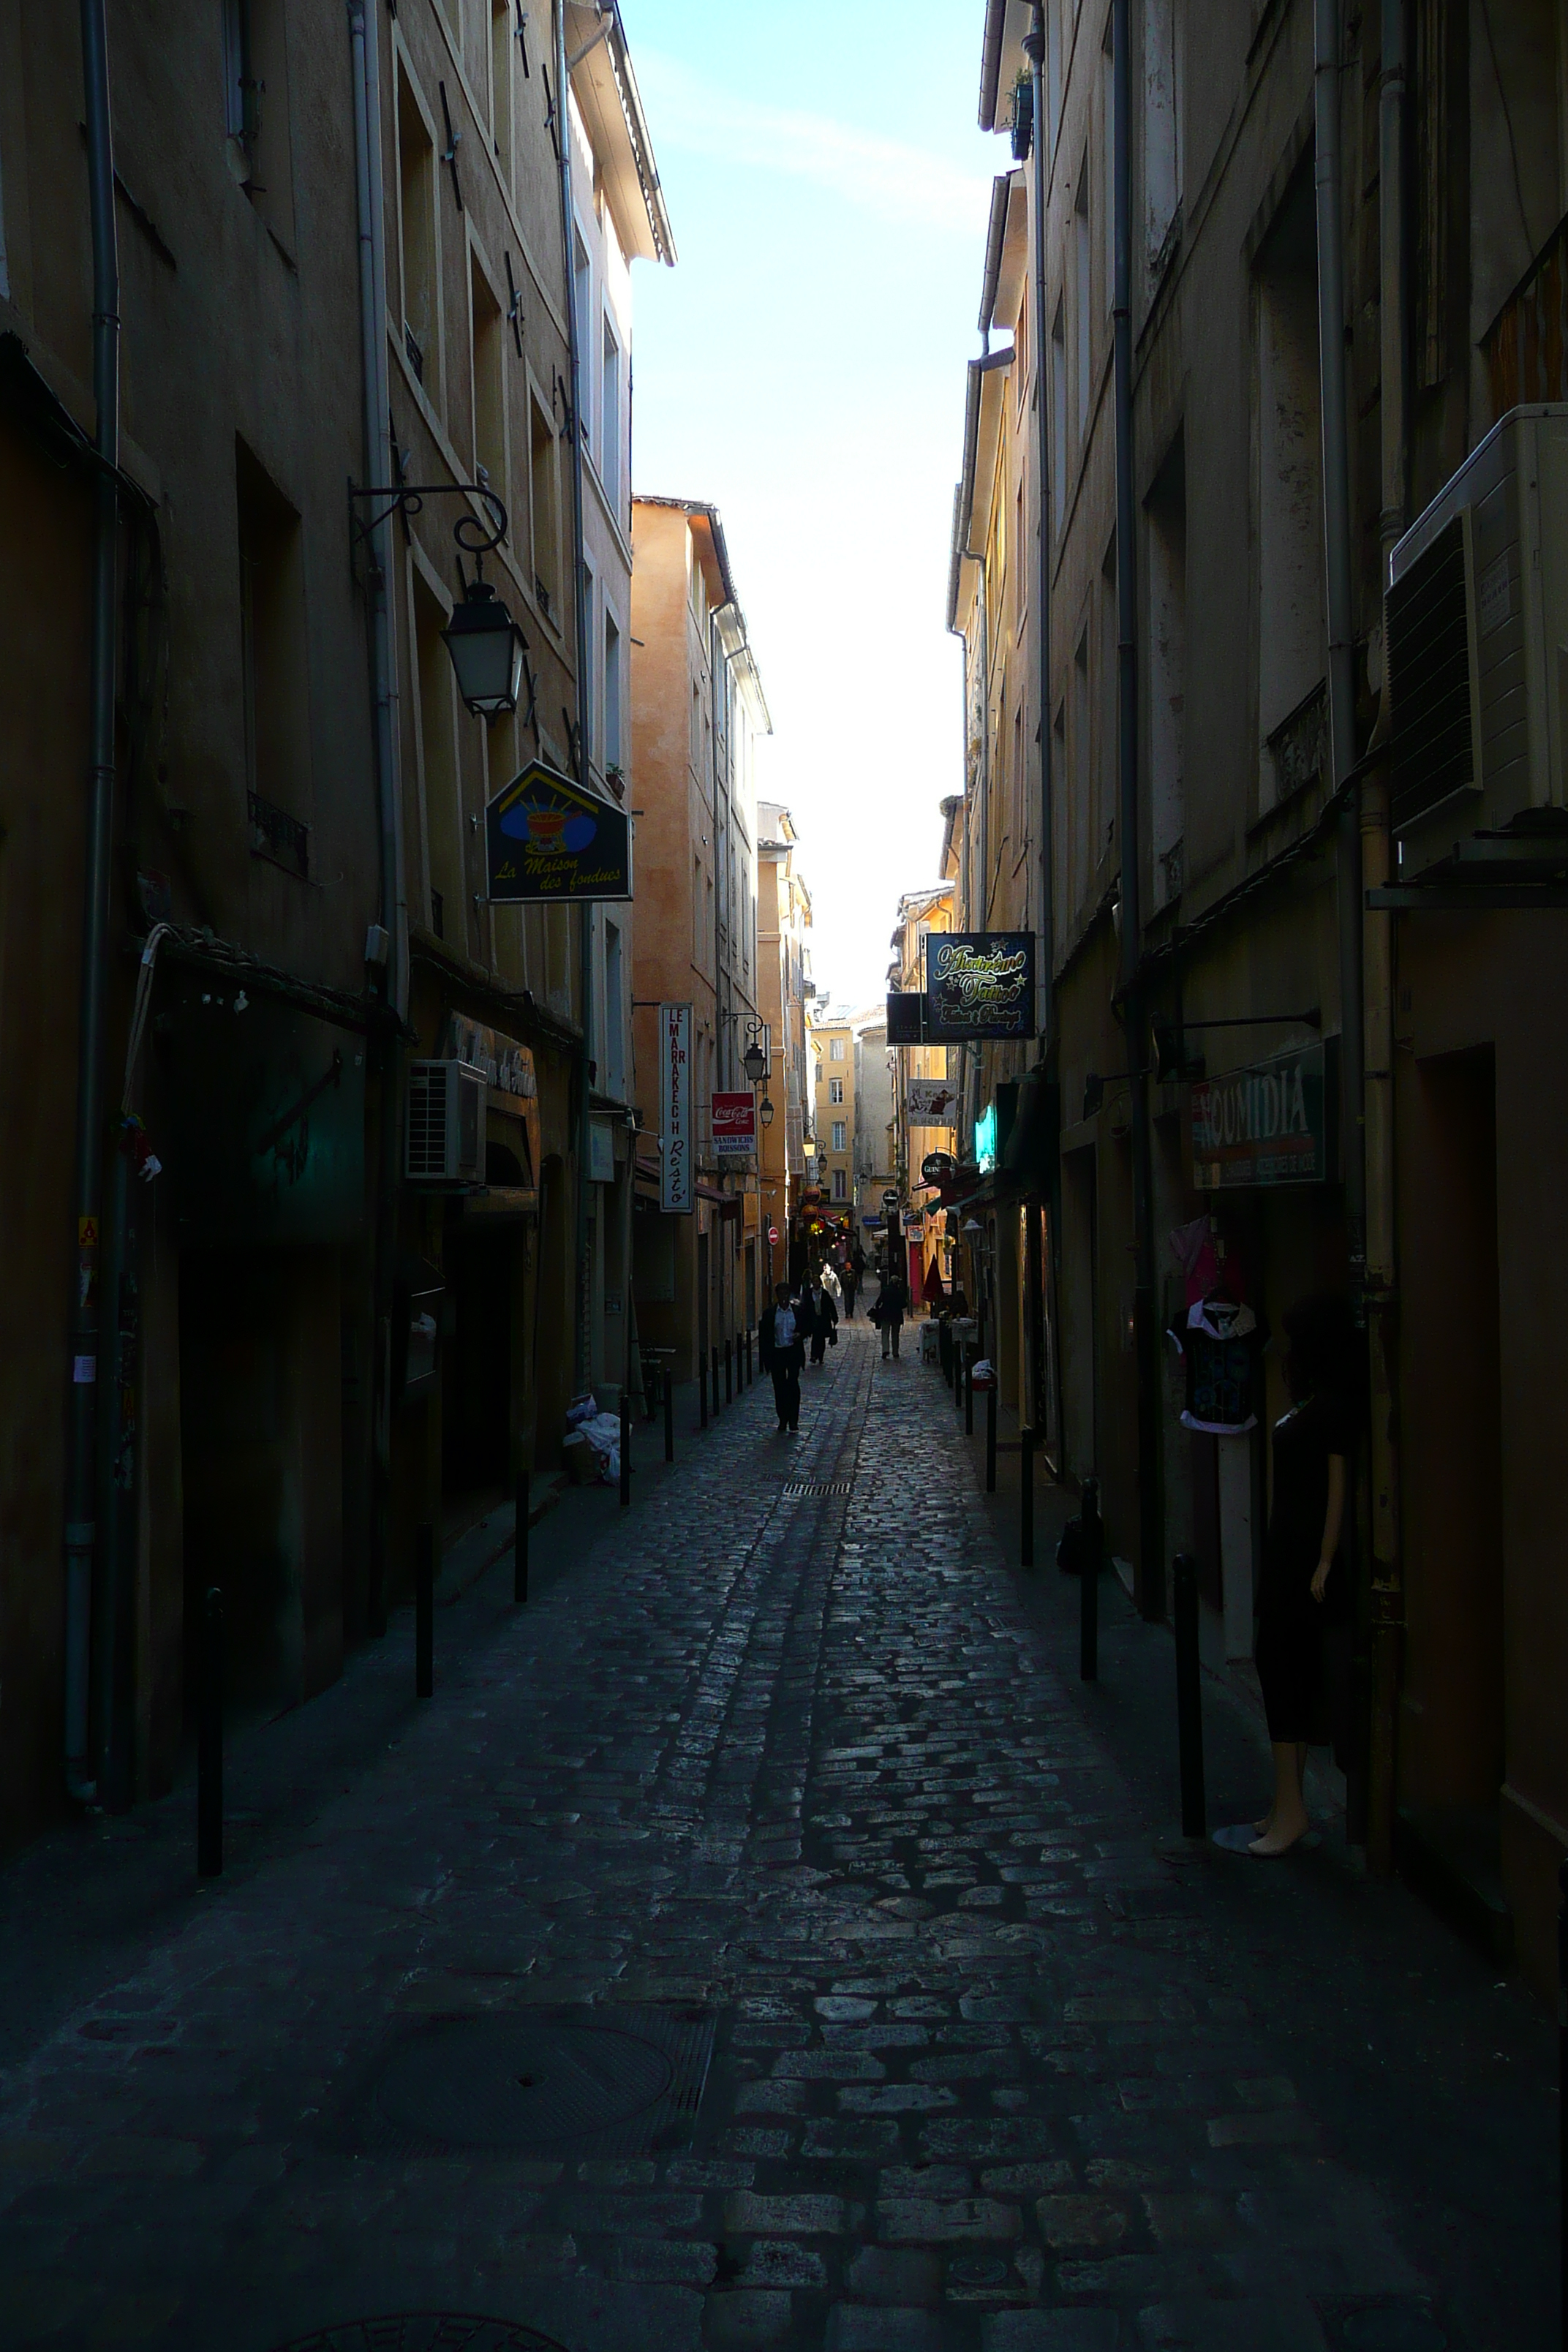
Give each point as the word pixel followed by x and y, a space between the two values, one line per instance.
pixel 1274 1122
pixel 980 984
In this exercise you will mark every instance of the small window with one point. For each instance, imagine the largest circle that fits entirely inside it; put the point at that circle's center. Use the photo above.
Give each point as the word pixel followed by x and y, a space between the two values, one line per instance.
pixel 502 28
pixel 835 1091
pixel 274 668
pixel 610 423
pixel 835 1049
pixel 614 693
pixel 840 1129
pixel 1083 298
pixel 1058 420
pixel 543 498
pixel 417 235
pixel 489 394
pixel 255 108
pixel 841 1184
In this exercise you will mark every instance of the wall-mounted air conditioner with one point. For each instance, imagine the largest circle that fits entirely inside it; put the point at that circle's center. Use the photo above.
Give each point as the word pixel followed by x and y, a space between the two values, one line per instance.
pixel 1476 636
pixel 444 1142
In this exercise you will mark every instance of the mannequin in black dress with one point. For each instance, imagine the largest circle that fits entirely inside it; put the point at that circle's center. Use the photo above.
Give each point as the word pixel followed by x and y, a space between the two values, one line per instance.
pixel 1305 1583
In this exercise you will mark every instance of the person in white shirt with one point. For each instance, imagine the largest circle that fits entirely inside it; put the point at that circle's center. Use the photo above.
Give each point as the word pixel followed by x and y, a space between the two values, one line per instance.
pixel 782 1354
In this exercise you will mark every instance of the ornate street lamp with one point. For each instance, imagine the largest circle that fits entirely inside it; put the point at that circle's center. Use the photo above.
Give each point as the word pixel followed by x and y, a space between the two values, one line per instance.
pixel 487 649
pixel 765 1112
pixel 754 1062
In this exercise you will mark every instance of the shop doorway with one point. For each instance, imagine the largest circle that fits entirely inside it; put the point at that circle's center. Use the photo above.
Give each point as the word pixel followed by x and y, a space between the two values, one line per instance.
pixel 476 1376
pixel 1080 1313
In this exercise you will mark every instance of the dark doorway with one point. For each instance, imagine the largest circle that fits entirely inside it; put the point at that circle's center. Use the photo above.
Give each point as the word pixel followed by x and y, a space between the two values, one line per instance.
pixel 476 1383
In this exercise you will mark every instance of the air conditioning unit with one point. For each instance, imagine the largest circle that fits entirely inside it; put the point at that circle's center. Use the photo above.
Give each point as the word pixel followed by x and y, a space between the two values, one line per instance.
pixel 444 1142
pixel 1476 636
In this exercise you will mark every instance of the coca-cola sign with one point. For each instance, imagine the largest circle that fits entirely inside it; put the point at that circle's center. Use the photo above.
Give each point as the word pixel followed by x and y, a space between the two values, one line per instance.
pixel 1271 1123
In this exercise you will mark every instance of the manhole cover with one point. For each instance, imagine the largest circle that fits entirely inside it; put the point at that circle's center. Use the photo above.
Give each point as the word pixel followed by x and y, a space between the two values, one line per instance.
pixel 798 1487
pixel 617 2082
pixel 426 2331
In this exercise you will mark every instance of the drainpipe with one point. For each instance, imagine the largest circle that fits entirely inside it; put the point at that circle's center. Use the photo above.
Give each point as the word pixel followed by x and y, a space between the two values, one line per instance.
pixel 585 937
pixel 365 49
pixel 1386 1611
pixel 81 1531
pixel 1149 1579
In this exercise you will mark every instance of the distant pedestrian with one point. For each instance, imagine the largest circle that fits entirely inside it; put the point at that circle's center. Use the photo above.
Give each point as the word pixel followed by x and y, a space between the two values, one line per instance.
pixel 892 1301
pixel 823 1322
pixel 782 1354
pixel 849 1284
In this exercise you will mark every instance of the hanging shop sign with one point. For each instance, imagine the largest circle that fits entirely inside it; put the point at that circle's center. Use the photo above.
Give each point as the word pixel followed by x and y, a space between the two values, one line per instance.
pixel 1274 1122
pixel 938 1168
pixel 914 1220
pixel 676 1187
pixel 980 984
pixel 986 1139
pixel 931 1102
pixel 549 840
pixel 906 1019
pixel 508 1071
pixel 735 1125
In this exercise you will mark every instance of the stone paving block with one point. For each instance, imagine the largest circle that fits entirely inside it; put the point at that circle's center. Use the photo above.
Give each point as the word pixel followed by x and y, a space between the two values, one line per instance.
pixel 896 2099
pixel 1070 2221
pixel 1051 2331
pixel 779 2263
pixel 748 2319
pixel 801 2216
pixel 1195 2323
pixel 935 2220
pixel 861 2327
pixel 895 2275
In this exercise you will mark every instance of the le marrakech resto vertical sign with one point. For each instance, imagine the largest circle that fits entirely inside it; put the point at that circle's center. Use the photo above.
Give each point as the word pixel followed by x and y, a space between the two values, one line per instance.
pixel 677 1196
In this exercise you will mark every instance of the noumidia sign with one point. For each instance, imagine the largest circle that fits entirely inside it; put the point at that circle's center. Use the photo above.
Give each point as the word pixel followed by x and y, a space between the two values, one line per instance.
pixel 1273 1122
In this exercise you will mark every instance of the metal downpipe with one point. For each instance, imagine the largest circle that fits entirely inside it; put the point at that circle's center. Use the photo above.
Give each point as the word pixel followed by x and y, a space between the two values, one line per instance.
pixel 1150 1578
pixel 1035 46
pixel 81 1432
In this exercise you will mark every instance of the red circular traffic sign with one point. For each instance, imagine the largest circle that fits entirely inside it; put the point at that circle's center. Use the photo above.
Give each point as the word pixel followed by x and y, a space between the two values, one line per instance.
pixel 774 1235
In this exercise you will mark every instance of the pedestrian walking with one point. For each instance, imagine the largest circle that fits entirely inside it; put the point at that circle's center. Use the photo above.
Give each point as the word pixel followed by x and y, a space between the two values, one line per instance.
pixel 892 1300
pixel 782 1355
pixel 849 1283
pixel 823 1322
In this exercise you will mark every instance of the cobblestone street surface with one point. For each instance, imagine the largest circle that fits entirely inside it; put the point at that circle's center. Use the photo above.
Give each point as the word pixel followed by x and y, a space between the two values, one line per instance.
pixel 925 2027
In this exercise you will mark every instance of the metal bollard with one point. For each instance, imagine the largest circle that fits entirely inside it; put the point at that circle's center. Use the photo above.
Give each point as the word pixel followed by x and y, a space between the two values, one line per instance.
pixel 969 1396
pixel 519 1542
pixel 991 1436
pixel 1189 1696
pixel 1026 1497
pixel 209 1741
pixel 729 1371
pixel 425 1611
pixel 701 1390
pixel 668 1413
pixel 625 1447
pixel 1088 1583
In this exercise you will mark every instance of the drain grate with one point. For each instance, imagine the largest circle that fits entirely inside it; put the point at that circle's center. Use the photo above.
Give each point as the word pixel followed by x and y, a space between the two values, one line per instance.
pixel 426 2331
pixel 577 2082
pixel 797 1488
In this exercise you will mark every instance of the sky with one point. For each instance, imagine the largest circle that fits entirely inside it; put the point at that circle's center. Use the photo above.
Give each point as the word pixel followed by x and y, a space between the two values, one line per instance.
pixel 802 366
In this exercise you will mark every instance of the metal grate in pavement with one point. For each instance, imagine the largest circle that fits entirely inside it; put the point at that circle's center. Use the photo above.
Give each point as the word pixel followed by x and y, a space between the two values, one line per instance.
pixel 426 2331
pixel 795 1488
pixel 616 2082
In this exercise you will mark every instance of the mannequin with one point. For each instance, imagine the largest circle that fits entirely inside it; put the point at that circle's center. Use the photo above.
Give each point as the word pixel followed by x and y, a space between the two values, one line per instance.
pixel 1305 1581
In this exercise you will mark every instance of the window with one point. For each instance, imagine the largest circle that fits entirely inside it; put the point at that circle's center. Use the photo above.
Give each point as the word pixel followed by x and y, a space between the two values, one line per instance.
pixel 1161 123
pixel 1292 635
pixel 1108 765
pixel 835 1049
pixel 274 668
pixel 610 423
pixel 840 1130
pixel 1083 329
pixel 614 693
pixel 696 744
pixel 544 508
pixel 615 1013
pixel 583 296
pixel 835 1091
pixel 1167 546
pixel 697 913
pixel 841 1184
pixel 590 726
pixel 1058 420
pixel 1108 154
pixel 489 394
pixel 439 790
pixel 1083 853
pixel 502 28
pixel 1053 72
pixel 417 235
pixel 256 102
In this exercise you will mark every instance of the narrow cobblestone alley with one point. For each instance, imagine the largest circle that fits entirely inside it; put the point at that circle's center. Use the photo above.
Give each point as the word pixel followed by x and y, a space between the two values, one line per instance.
pixel 783 1780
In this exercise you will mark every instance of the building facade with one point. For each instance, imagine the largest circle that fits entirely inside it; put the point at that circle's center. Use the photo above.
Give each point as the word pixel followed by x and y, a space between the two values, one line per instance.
pixel 699 712
pixel 783 953
pixel 1189 762
pixel 925 1243
pixel 833 1079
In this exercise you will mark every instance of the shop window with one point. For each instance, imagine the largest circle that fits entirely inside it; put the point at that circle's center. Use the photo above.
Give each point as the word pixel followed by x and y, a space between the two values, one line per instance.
pixel 274 667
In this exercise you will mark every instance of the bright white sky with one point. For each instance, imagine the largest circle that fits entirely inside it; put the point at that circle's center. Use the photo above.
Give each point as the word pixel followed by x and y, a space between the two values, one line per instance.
pixel 803 367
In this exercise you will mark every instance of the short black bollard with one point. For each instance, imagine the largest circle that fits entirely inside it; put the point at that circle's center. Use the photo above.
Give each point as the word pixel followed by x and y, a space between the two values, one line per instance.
pixel 1563 2081
pixel 425 1611
pixel 1189 1698
pixel 1026 1497
pixel 625 1447
pixel 209 1741
pixel 668 1413
pixel 519 1540
pixel 701 1388
pixel 1088 1583
pixel 729 1371
pixel 991 1435
pixel 969 1396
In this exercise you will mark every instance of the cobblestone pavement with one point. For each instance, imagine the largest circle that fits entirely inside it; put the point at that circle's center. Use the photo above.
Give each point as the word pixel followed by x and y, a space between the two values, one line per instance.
pixel 997 2064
